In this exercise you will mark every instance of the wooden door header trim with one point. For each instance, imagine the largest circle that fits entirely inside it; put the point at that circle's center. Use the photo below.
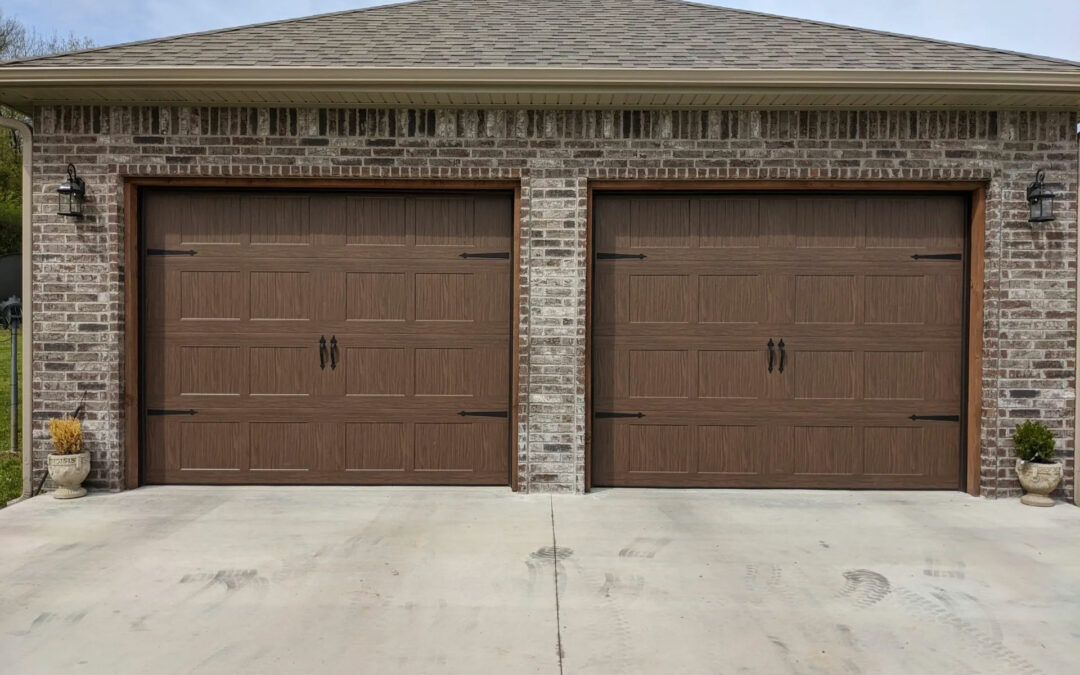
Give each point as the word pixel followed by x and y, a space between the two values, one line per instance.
pixel 779 185
pixel 324 183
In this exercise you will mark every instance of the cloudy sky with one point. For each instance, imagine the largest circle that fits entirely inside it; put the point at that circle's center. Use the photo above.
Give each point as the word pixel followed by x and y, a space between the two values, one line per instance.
pixel 1046 27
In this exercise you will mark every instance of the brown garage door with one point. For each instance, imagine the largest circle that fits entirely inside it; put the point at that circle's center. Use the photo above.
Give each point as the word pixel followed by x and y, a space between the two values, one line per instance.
pixel 778 341
pixel 307 337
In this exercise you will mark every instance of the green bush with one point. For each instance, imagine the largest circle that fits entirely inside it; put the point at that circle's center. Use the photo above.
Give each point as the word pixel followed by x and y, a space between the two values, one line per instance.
pixel 10 477
pixel 1034 442
pixel 10 226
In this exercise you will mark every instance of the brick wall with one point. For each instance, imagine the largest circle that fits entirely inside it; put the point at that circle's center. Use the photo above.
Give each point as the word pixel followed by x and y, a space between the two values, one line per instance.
pixel 1029 284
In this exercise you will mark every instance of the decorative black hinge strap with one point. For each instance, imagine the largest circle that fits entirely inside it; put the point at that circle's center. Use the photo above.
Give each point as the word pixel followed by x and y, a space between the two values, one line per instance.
pixel 938 256
pixel 618 415
pixel 935 418
pixel 489 256
pixel 153 413
pixel 169 251
pixel 619 256
pixel 483 413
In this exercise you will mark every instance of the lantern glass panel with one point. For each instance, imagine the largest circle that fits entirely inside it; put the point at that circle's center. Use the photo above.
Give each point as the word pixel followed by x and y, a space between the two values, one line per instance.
pixel 1042 207
pixel 70 195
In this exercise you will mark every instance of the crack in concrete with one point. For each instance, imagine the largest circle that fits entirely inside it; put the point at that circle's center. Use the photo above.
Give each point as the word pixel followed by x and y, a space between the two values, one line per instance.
pixel 555 567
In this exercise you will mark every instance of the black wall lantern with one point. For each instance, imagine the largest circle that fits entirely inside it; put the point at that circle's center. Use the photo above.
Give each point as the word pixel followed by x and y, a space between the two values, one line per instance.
pixel 71 193
pixel 1040 201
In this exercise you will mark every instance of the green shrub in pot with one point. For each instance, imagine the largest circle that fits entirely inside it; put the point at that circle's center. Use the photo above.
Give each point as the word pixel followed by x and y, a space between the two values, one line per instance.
pixel 1034 442
pixel 1038 471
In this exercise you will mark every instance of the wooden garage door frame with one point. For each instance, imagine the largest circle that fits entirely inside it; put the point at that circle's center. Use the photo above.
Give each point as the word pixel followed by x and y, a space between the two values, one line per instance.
pixel 971 398
pixel 132 277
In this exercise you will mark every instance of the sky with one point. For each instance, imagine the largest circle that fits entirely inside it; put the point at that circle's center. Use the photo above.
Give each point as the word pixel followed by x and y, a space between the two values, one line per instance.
pixel 1047 27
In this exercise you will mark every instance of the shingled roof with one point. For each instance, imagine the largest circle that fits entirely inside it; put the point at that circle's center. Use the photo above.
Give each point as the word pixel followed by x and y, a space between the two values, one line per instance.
pixel 547 54
pixel 622 34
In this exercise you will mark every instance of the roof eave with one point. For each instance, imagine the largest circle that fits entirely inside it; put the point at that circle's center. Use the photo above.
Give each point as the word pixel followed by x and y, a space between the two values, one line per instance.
pixel 135 76
pixel 27 86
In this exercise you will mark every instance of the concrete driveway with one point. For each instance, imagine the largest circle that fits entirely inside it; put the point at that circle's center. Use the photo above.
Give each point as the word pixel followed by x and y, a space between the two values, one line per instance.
pixel 314 580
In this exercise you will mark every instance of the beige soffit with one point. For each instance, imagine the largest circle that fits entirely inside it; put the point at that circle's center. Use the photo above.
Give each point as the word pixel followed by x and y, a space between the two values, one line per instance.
pixel 23 87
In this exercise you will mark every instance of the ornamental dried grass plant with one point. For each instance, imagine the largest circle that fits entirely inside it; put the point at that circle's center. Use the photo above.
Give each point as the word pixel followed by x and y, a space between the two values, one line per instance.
pixel 66 435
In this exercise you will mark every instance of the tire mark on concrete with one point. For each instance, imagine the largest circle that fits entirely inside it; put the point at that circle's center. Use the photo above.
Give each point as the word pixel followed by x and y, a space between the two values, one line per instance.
pixel 644 547
pixel 936 569
pixel 986 643
pixel 232 580
pixel 950 602
pixel 630 586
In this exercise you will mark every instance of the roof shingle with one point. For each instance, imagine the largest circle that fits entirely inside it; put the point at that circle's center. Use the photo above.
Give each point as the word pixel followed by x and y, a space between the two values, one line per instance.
pixel 624 34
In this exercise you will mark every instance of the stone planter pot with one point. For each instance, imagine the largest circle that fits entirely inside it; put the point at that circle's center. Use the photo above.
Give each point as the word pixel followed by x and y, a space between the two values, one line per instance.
pixel 68 472
pixel 1038 481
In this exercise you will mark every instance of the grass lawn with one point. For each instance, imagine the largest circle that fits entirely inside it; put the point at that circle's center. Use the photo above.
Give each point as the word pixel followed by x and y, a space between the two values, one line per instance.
pixel 10 465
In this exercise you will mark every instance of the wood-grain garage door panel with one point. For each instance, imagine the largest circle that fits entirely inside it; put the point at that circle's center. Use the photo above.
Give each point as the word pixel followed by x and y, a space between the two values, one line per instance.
pixel 240 286
pixel 865 291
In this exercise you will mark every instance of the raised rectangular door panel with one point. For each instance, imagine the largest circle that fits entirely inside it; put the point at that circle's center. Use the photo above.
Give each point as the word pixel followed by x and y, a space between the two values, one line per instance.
pixel 282 446
pixel 326 337
pixel 861 298
pixel 894 451
pixel 660 223
pixel 659 373
pixel 729 223
pixel 443 372
pixel 895 375
pixel 655 448
pixel 659 299
pixel 732 450
pixel 377 446
pixel 212 371
pixel 444 297
pixel 276 219
pixel 204 218
pixel 828 222
pixel 376 296
pixel 732 298
pixel 211 295
pixel 281 295
pixel 828 451
pixel 821 374
pixel 211 446
pixel 377 371
pixel 828 299
pixel 444 221
pixel 377 220
pixel 732 374
pixel 468 447
pixel 281 371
